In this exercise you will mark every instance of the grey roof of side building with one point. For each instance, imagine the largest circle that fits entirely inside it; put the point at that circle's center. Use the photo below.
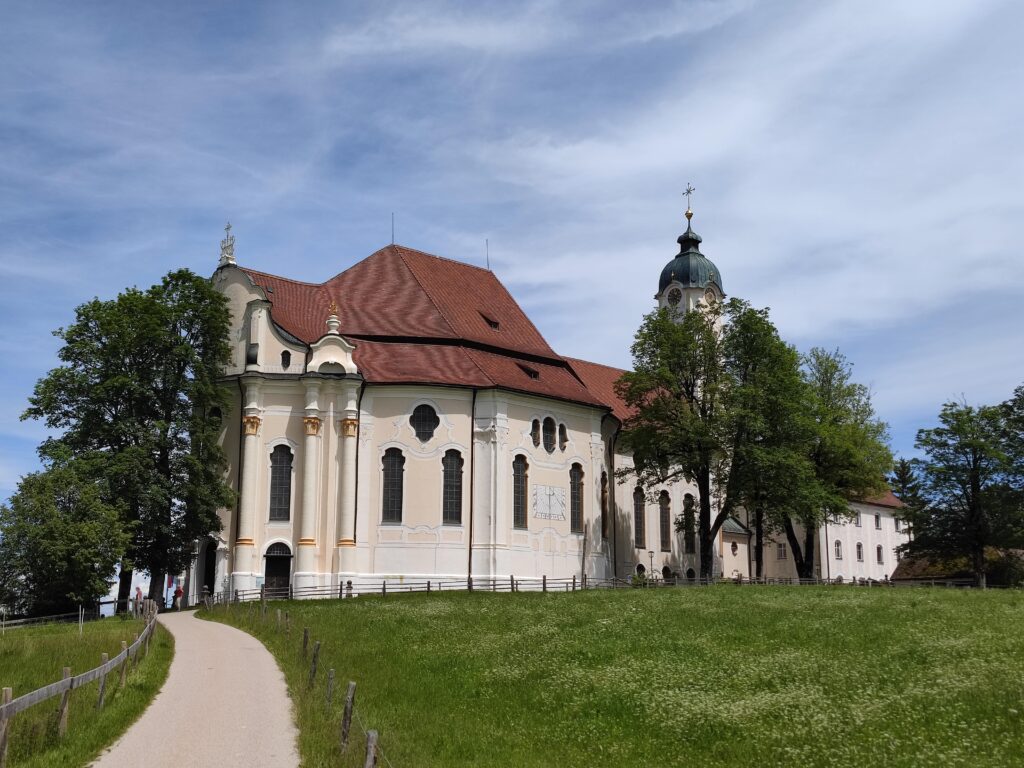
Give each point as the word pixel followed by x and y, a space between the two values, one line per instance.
pixel 732 525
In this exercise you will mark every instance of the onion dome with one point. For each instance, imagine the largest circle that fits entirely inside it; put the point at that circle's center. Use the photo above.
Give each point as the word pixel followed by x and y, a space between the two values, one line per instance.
pixel 691 268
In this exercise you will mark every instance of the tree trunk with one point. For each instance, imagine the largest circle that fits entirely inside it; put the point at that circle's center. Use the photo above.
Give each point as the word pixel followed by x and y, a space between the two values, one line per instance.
pixel 978 566
pixel 707 541
pixel 794 545
pixel 156 587
pixel 810 550
pixel 124 589
pixel 759 543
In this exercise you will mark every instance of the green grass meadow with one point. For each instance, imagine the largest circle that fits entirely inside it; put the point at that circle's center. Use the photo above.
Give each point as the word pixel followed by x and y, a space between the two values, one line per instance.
pixel 35 656
pixel 713 676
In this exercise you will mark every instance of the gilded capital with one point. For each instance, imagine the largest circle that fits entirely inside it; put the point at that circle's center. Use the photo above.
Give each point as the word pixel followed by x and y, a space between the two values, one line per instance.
pixel 312 424
pixel 349 427
pixel 251 424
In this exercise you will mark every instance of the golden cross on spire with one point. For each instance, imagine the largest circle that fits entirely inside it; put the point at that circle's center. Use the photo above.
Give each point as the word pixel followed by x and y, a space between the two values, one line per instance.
pixel 689 191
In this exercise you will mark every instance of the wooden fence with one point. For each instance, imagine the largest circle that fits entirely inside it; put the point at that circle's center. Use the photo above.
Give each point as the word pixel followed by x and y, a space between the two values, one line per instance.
pixel 10 706
pixel 385 586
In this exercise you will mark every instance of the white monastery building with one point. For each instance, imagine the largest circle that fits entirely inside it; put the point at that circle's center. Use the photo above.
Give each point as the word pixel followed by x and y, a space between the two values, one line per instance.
pixel 405 420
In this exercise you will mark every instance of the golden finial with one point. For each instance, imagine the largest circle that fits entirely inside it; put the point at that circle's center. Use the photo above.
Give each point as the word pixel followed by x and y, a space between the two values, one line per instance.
pixel 332 308
pixel 689 191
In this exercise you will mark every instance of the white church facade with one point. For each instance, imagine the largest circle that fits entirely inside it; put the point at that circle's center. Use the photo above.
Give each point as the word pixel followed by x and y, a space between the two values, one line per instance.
pixel 406 420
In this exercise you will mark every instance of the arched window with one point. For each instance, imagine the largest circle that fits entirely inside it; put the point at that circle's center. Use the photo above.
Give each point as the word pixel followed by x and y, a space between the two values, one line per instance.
pixel 665 521
pixel 535 432
pixel 689 525
pixel 519 477
pixel 286 359
pixel 639 518
pixel 563 437
pixel 549 435
pixel 280 483
pixel 452 503
pixel 391 496
pixel 878 554
pixel 839 550
pixel 278 549
pixel 576 499
pixel 423 422
pixel 860 552
pixel 605 519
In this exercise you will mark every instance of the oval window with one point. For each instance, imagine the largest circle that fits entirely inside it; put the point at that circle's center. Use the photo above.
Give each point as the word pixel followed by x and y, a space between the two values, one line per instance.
pixel 424 421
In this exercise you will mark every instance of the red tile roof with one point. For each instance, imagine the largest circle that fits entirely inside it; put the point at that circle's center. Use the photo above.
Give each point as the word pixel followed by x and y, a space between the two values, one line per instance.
pixel 600 380
pixel 887 499
pixel 417 318
pixel 400 292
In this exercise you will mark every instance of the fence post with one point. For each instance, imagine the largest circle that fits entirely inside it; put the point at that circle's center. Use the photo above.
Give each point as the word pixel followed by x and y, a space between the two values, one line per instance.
pixel 371 749
pixel 5 726
pixel 305 640
pixel 104 658
pixel 428 585
pixel 384 588
pixel 330 686
pixel 574 582
pixel 316 660
pixel 469 583
pixel 544 583
pixel 287 624
pixel 124 664
pixel 346 718
pixel 62 716
pixel 278 619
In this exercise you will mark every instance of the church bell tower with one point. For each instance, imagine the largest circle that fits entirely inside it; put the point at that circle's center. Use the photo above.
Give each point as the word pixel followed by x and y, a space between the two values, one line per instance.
pixel 690 280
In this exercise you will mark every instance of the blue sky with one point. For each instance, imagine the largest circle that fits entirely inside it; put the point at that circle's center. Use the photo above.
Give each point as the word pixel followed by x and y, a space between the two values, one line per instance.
pixel 858 166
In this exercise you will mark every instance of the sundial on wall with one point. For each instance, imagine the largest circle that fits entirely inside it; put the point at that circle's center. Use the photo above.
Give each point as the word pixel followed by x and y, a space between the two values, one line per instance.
pixel 548 502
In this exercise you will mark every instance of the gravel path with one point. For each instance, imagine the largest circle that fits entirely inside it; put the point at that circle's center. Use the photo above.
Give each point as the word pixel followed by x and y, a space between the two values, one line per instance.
pixel 224 704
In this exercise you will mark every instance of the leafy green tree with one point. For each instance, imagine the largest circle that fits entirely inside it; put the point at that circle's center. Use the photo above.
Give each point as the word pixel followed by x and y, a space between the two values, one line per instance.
pixel 973 483
pixel 59 541
pixel 711 392
pixel 136 400
pixel 906 485
pixel 847 452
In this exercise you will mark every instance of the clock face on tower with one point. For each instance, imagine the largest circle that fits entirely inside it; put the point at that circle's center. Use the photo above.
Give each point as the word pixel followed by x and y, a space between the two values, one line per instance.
pixel 709 296
pixel 675 296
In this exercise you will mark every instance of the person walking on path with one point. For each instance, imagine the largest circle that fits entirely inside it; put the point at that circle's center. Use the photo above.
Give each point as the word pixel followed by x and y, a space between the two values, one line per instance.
pixel 178 592
pixel 225 699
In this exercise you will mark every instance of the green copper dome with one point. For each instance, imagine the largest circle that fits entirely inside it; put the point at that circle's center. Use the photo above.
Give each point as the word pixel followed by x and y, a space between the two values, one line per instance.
pixel 691 269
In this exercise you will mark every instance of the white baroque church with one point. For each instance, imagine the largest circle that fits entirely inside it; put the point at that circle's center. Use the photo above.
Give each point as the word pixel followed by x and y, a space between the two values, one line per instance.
pixel 405 420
